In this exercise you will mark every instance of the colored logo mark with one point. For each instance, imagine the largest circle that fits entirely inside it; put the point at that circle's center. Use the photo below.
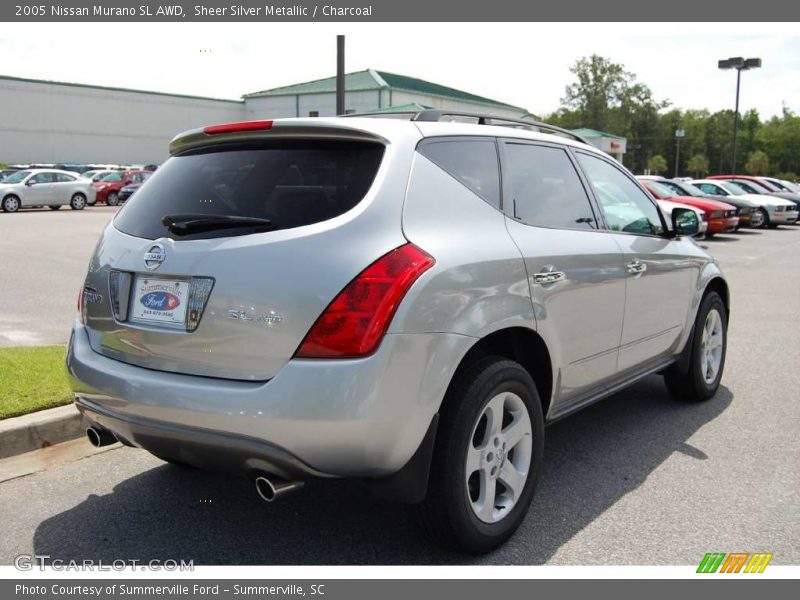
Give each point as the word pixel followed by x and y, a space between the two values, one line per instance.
pixel 734 562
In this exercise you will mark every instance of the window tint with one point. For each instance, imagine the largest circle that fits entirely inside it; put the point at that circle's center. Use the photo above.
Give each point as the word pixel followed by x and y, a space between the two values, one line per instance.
pixel 64 178
pixel 472 162
pixel 291 183
pixel 626 207
pixel 545 188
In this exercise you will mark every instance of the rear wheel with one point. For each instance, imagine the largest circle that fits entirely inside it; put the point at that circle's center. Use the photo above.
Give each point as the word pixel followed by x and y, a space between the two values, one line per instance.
pixel 707 359
pixel 488 457
pixel 78 202
pixel 112 199
pixel 11 204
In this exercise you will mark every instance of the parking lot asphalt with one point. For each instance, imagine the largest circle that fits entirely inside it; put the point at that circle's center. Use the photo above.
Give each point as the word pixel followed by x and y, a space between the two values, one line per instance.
pixel 636 479
pixel 45 255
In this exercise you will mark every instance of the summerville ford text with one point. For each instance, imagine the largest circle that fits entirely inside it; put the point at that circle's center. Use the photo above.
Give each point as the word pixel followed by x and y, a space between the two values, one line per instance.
pixel 233 10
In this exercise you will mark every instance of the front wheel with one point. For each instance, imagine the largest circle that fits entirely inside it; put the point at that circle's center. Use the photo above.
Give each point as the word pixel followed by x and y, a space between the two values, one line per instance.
pixel 112 199
pixel 488 457
pixel 764 218
pixel 78 202
pixel 10 204
pixel 707 358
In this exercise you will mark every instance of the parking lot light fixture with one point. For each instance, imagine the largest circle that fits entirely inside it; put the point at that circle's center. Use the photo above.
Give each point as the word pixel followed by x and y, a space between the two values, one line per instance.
pixel 740 64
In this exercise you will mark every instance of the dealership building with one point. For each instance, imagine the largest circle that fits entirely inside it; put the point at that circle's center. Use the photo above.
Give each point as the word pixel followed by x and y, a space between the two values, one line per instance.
pixel 53 122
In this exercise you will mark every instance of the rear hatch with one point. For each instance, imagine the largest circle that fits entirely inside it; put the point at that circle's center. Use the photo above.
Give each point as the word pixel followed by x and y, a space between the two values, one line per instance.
pixel 223 260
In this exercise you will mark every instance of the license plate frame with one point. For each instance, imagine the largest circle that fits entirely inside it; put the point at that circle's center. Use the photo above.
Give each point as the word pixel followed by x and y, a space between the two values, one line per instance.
pixel 153 301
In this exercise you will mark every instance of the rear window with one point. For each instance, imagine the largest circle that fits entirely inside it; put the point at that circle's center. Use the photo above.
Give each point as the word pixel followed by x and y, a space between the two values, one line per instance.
pixel 291 184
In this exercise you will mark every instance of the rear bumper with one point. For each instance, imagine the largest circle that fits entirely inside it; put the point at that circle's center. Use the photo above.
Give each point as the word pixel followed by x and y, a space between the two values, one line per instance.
pixel 350 418
pixel 213 450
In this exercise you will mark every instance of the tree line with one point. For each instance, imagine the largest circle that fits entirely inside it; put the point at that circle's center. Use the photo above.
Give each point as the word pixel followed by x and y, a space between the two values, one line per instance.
pixel 607 97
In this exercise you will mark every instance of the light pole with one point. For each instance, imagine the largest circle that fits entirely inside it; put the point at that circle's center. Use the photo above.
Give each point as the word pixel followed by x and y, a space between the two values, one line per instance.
pixel 740 64
pixel 679 133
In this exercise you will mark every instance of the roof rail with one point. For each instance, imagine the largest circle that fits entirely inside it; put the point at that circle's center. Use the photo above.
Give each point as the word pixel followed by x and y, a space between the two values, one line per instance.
pixel 433 115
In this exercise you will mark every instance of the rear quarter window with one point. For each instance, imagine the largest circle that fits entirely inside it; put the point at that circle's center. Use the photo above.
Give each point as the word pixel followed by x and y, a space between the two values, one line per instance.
pixel 473 162
pixel 291 183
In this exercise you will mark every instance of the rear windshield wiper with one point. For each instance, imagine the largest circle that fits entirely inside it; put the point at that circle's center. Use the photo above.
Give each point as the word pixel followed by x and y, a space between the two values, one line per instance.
pixel 187 224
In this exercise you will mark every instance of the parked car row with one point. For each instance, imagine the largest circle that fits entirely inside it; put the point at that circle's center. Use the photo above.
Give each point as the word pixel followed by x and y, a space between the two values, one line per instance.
pixel 37 187
pixel 730 201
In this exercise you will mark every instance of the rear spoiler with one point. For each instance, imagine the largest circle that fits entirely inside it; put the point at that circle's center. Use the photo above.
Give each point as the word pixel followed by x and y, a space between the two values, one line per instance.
pixel 256 131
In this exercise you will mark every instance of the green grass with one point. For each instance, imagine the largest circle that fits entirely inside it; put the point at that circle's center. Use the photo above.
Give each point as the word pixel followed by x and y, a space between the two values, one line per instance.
pixel 31 379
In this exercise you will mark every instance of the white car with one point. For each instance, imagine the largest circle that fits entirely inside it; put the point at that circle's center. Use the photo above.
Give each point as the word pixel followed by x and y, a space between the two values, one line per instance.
pixel 776 211
pixel 667 206
pixel 45 187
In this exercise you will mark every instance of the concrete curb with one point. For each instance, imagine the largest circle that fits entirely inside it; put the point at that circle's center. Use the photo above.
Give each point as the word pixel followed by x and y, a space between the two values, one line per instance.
pixel 39 430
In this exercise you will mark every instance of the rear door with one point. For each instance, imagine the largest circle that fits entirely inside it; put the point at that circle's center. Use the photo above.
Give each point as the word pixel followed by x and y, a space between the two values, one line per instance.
pixel 63 185
pixel 660 276
pixel 575 270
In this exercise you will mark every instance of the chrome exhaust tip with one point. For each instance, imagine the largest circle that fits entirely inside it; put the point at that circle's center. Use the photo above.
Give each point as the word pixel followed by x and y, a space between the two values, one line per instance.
pixel 270 488
pixel 98 436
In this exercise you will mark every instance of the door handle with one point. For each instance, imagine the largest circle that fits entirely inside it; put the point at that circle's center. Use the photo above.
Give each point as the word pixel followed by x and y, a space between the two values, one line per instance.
pixel 636 267
pixel 549 277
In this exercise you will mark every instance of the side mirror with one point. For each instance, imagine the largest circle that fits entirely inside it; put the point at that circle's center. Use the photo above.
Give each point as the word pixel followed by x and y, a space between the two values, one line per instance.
pixel 685 221
pixel 30 182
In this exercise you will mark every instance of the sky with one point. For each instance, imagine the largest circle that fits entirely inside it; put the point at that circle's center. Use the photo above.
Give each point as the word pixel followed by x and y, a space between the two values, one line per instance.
pixel 523 64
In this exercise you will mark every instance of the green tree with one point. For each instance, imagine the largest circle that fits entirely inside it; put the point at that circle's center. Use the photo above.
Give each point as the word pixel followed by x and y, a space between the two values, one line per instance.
pixel 657 164
pixel 600 85
pixel 698 165
pixel 757 163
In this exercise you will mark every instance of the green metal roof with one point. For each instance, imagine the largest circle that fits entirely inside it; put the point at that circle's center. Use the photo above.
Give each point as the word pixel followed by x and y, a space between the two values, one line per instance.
pixel 376 80
pixel 114 89
pixel 585 132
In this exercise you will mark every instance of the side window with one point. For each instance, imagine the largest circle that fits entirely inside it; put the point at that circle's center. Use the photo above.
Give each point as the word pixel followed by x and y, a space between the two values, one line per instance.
pixel 472 162
pixel 626 207
pixel 709 189
pixel 43 178
pixel 63 178
pixel 545 188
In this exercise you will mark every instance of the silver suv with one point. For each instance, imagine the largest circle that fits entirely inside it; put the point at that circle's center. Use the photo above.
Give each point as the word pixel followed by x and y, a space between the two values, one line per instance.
pixel 405 301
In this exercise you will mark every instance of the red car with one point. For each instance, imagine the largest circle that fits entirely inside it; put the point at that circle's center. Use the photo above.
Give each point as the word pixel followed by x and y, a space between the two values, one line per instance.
pixel 721 217
pixel 109 186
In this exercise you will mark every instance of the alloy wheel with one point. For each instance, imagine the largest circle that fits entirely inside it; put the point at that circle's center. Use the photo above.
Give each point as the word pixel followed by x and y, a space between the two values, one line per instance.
pixel 499 457
pixel 711 346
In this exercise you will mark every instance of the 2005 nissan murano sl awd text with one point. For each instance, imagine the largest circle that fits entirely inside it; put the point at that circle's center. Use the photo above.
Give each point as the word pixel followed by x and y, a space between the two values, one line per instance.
pixel 405 300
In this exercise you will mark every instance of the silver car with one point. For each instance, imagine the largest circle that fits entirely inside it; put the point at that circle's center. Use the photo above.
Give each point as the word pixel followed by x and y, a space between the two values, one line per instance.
pixel 403 301
pixel 45 187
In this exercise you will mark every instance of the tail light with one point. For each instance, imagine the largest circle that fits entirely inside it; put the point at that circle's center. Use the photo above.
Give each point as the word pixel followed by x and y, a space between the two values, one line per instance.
pixel 80 304
pixel 355 322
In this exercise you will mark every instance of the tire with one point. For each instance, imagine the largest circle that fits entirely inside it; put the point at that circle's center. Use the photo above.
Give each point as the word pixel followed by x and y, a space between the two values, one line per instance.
pixel 695 384
pixel 78 202
pixel 55 207
pixel 11 204
pixel 112 199
pixel 764 214
pixel 454 512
